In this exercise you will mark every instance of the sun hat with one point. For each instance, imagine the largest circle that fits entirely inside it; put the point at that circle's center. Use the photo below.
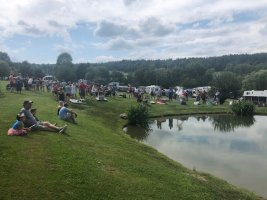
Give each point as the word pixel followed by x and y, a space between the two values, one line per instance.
pixel 27 101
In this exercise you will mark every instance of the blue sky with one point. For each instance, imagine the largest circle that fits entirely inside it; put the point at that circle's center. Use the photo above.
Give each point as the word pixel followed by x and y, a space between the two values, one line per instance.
pixel 107 30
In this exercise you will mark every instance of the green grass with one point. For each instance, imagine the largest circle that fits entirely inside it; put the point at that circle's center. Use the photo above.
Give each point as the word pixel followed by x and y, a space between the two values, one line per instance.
pixel 95 159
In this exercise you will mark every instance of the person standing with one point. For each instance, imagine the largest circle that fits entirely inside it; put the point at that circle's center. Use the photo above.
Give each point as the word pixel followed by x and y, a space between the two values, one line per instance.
pixel 73 90
pixel 61 95
pixel 82 88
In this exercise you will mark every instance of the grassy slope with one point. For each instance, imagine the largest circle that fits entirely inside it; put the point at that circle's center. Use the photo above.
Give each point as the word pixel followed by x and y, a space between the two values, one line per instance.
pixel 95 160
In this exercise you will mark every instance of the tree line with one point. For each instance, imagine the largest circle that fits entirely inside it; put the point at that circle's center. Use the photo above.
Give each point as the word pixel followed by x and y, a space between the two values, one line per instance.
pixel 238 72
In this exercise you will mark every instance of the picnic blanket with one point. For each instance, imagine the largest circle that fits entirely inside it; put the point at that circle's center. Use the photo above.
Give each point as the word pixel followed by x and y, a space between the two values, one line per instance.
pixel 77 101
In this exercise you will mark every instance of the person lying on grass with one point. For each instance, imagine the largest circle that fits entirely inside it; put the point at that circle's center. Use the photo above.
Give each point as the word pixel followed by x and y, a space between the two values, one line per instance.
pixel 67 114
pixel 18 127
pixel 46 123
pixel 33 123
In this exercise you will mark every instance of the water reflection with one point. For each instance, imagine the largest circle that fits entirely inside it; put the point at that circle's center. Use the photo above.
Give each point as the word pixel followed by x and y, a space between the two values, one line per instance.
pixel 170 123
pixel 180 122
pixel 138 133
pixel 160 121
pixel 202 117
pixel 222 123
pixel 201 142
pixel 231 122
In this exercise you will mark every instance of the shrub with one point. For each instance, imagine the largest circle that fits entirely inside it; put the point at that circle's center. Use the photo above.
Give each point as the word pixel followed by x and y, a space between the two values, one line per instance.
pixel 243 108
pixel 138 115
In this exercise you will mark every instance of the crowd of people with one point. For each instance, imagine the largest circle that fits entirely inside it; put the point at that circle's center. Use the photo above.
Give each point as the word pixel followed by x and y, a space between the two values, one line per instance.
pixel 17 82
pixel 63 92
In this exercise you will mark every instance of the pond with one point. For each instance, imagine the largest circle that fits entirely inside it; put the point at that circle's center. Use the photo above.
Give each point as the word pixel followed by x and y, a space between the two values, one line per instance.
pixel 229 147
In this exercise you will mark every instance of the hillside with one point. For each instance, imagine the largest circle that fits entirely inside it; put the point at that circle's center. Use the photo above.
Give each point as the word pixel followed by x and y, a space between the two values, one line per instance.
pixel 94 160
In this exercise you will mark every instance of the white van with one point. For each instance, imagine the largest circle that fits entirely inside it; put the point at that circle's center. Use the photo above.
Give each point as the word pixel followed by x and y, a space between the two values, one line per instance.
pixel 196 90
pixel 48 78
pixel 154 88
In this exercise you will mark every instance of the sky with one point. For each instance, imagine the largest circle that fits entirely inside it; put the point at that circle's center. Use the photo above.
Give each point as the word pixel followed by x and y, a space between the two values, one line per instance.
pixel 93 31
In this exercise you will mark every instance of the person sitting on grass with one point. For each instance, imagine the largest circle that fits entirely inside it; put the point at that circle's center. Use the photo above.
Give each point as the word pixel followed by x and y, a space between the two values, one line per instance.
pixel 30 121
pixel 18 127
pixel 46 123
pixel 67 114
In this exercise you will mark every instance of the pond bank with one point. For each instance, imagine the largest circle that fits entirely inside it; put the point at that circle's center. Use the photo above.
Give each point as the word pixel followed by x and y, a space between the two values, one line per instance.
pixel 95 159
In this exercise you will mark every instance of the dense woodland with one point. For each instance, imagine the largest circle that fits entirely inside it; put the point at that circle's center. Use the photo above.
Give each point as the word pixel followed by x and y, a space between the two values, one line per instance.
pixel 230 73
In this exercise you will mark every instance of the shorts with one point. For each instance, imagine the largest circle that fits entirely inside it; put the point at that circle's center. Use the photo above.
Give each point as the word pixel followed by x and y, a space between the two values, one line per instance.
pixel 67 117
pixel 38 127
pixel 82 93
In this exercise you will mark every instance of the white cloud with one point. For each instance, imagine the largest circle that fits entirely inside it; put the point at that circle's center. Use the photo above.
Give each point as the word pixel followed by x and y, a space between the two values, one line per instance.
pixel 129 2
pixel 161 28
pixel 110 29
pixel 153 26
pixel 116 44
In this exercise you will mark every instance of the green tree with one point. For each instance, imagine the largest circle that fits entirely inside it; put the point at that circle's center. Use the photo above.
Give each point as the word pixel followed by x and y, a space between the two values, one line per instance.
pixel 255 81
pixel 98 74
pixel 139 77
pixel 176 76
pixel 81 70
pixel 38 73
pixel 4 68
pixel 162 77
pixel 5 57
pixel 228 84
pixel 117 76
pixel 150 77
pixel 189 82
pixel 64 59
pixel 129 78
pixel 240 69
pixel 91 74
pixel 26 69
pixel 103 75
pixel 64 69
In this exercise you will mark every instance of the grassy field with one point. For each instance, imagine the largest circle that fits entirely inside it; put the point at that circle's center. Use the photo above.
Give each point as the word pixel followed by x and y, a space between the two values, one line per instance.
pixel 95 159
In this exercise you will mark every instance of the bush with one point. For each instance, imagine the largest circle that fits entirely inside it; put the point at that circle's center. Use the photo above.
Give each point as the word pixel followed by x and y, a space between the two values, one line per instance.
pixel 138 115
pixel 243 108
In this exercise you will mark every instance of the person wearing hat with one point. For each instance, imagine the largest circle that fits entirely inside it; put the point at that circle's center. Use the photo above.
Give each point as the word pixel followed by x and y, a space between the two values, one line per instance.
pixel 31 122
pixel 18 127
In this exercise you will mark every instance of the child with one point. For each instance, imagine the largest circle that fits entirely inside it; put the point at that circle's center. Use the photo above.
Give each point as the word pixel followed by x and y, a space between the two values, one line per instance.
pixel 18 128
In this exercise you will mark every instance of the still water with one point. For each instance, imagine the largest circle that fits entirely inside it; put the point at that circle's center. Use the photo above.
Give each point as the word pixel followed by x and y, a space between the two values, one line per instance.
pixel 229 147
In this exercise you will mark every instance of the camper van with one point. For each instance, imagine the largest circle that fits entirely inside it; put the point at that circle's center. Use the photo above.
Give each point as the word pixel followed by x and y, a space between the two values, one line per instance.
pixel 117 84
pixel 154 88
pixel 197 90
pixel 257 97
pixel 48 78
